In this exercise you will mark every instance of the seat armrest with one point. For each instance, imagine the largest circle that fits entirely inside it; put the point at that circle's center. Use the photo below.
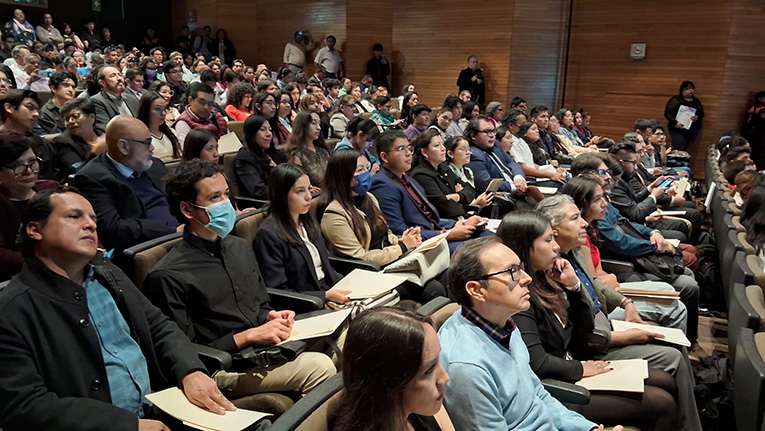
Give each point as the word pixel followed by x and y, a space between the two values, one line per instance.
pixel 213 359
pixel 298 302
pixel 616 266
pixel 345 265
pixel 567 392
pixel 433 305
pixel 247 202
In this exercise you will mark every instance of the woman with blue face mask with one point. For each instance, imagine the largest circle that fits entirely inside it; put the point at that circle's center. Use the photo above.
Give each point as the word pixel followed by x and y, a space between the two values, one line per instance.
pixel 360 134
pixel 451 196
pixel 289 246
pixel 351 219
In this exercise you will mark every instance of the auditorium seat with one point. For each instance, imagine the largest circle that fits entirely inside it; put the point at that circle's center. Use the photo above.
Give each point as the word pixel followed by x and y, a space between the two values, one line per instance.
pixel 747 310
pixel 141 258
pixel 749 378
pixel 330 143
pixel 170 164
pixel 237 127
pixel 229 169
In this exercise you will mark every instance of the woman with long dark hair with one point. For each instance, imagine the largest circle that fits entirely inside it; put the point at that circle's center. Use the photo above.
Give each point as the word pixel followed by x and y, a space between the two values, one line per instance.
pixel 163 89
pixel 470 110
pixel 409 101
pixel 257 157
pixel 361 134
pixel 682 136
pixel 305 146
pixel 556 326
pixel 392 375
pixel 201 144
pixel 351 219
pixel 267 106
pixel 289 246
pixel 152 110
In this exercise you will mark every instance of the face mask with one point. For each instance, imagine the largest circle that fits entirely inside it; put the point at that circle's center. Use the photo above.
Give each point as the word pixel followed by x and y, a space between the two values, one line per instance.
pixel 151 73
pixel 368 144
pixel 363 183
pixel 222 217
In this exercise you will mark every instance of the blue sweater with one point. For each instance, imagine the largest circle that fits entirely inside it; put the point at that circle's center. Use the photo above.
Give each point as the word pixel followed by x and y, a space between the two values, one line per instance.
pixel 494 389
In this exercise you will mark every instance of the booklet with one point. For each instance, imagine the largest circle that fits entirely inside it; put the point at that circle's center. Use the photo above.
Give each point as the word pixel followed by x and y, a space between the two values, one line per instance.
pixel 229 143
pixel 368 284
pixel 671 335
pixel 318 326
pixel 684 115
pixel 626 375
pixel 173 402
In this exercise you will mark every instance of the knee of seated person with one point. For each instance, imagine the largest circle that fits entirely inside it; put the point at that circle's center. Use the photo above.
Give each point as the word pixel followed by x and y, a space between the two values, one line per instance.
pixel 316 367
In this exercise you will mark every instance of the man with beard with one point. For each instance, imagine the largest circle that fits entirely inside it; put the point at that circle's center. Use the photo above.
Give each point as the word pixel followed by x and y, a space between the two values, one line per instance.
pixel 109 102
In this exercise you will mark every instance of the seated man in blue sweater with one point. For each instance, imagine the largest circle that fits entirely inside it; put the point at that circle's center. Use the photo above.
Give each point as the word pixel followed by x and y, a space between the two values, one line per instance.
pixel 402 200
pixel 492 386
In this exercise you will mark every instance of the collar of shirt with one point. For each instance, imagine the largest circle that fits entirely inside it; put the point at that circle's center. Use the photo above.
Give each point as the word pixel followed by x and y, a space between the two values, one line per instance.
pixel 123 170
pixel 116 99
pixel 212 247
pixel 498 334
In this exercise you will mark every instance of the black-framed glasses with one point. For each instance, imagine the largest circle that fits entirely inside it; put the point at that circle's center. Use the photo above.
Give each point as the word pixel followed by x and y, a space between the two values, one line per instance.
pixel 602 172
pixel 20 168
pixel 515 273
pixel 146 142
pixel 489 131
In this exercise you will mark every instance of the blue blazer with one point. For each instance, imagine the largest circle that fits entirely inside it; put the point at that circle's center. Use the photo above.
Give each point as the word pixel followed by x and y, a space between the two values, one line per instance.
pixel 484 170
pixel 400 210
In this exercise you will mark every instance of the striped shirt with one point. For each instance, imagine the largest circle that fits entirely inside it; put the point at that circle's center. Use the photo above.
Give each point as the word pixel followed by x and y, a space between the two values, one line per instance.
pixel 499 334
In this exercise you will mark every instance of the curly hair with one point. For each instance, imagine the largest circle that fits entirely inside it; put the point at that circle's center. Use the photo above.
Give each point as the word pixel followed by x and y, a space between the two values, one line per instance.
pixel 237 93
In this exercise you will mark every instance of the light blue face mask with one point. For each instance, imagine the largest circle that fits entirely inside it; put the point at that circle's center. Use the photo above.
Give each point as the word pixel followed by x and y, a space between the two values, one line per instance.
pixel 368 144
pixel 363 183
pixel 222 217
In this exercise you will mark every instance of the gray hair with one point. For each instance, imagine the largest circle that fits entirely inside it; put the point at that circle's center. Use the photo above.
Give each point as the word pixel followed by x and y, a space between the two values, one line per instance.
pixel 551 208
pixel 17 50
pixel 491 107
pixel 31 55
pixel 173 54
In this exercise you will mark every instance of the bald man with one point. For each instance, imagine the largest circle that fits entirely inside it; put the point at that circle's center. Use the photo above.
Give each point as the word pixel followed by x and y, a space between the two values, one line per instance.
pixel 126 188
pixel 109 102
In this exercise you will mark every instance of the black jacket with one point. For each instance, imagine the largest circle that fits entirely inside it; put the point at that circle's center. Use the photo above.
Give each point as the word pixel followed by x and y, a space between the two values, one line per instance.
pixel 465 82
pixel 289 267
pixel 635 207
pixel 440 182
pixel 252 171
pixel 53 376
pixel 120 211
pixel 72 153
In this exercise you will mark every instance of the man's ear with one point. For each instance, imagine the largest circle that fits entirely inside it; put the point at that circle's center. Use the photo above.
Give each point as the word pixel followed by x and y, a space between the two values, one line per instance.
pixel 122 146
pixel 186 210
pixel 555 231
pixel 34 230
pixel 384 157
pixel 476 290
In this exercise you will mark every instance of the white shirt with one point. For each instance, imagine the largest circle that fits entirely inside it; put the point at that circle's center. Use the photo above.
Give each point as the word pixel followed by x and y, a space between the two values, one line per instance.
pixel 15 68
pixel 295 54
pixel 163 148
pixel 329 59
pixel 521 152
pixel 314 252
pixel 22 79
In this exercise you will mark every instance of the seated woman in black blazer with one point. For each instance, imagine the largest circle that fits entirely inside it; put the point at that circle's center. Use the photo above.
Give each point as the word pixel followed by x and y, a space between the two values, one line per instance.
pixel 556 325
pixel 451 196
pixel 257 157
pixel 289 247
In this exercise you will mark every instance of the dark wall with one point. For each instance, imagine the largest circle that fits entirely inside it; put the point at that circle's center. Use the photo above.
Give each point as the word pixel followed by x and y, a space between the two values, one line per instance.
pixel 138 16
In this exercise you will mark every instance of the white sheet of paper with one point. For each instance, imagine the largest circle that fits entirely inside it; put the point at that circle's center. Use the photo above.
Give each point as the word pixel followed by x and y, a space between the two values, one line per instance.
pixel 547 190
pixel 431 243
pixel 626 376
pixel 710 193
pixel 674 242
pixel 738 199
pixel 368 284
pixel 684 115
pixel 229 143
pixel 673 213
pixel 493 224
pixel 318 326
pixel 671 335
pixel 682 186
pixel 173 402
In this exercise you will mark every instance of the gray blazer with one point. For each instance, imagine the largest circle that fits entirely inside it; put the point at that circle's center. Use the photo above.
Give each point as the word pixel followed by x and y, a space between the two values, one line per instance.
pixel 106 109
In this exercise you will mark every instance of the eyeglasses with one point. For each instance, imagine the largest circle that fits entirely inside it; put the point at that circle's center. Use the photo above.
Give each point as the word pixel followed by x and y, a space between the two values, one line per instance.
pixel 466 150
pixel 489 131
pixel 349 106
pixel 602 172
pixel 19 168
pixel 31 107
pixel 404 148
pixel 175 72
pixel 168 92
pixel 633 162
pixel 147 142
pixel 515 273
pixel 204 102
pixel 6 81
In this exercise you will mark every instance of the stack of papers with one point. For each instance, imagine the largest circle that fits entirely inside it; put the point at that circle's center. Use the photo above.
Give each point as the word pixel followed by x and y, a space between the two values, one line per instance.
pixel 368 284
pixel 671 335
pixel 547 190
pixel 431 243
pixel 173 402
pixel 229 143
pixel 319 326
pixel 626 376
pixel 646 293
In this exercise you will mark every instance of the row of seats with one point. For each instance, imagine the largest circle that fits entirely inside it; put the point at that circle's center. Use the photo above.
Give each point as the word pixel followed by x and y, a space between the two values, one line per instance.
pixel 743 283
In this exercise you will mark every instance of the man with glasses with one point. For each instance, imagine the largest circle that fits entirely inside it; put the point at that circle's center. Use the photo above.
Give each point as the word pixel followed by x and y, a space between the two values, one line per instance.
pixel 134 80
pixel 174 78
pixel 488 162
pixel 125 185
pixel 492 386
pixel 109 102
pixel 29 78
pixel 200 113
pixel 402 200
pixel 62 87
pixel 20 113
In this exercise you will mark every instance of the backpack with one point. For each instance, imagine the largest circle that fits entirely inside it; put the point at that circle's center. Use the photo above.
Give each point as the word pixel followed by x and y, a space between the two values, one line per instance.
pixel 708 275
pixel 713 393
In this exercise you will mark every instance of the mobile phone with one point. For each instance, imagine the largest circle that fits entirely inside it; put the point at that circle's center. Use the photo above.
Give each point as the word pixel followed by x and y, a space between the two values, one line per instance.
pixel 666 183
pixel 494 185
pixel 274 75
pixel 45 73
pixel 82 71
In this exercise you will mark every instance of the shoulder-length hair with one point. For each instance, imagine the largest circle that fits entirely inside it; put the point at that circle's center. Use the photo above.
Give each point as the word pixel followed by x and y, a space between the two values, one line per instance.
pixel 280 181
pixel 144 111
pixel 383 354
pixel 299 136
pixel 518 231
pixel 582 189
pixel 194 143
pixel 341 169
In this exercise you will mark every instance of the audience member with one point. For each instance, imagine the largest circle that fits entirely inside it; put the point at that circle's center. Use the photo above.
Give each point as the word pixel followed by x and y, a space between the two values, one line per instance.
pixel 203 44
pixel 200 144
pixel 682 137
pixel 745 182
pixel 62 88
pixel 239 101
pixel 199 113
pixel 70 36
pixel 20 28
pixel 480 348
pixel 305 147
pixel 20 112
pixel 294 52
pixel 106 37
pixel 453 103
pixel 471 79
pixel 378 68
pixel 342 114
pixel 210 285
pixel 470 110
pixel 134 81
pixel 391 367
pixel 90 37
pixel 488 162
pixel 284 114
pixel 16 62
pixel 223 46
pixel 360 135
pixel 418 119
pixel 495 112
pixel 19 167
pixel 29 78
pixel 519 103
pixel 330 58
pixel 382 116
pixel 126 186
pixel 442 123
pixel 109 102
pixel 465 96
pixel 257 157
pixel 173 73
pixel 152 110
pixel 406 103
pixel 80 142
pixel 59 240
pixel 6 47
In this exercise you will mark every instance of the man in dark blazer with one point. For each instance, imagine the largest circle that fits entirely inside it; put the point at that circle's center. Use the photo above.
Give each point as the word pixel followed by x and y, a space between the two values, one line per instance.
pixel 402 200
pixel 110 102
pixel 211 285
pixel 80 346
pixel 125 185
pixel 489 162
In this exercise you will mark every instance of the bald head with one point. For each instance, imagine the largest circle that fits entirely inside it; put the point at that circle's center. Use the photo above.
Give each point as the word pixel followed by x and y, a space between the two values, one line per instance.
pixel 128 141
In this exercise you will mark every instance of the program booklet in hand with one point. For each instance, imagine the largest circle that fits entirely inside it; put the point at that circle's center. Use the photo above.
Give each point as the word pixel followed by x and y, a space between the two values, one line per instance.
pixel 684 114
pixel 671 335
pixel 368 284
pixel 626 375
pixel 318 326
pixel 173 402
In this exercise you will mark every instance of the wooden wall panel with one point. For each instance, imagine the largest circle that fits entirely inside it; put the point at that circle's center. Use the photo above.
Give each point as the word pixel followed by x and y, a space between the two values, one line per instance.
pixel 239 17
pixel 684 42
pixel 367 23
pixel 431 45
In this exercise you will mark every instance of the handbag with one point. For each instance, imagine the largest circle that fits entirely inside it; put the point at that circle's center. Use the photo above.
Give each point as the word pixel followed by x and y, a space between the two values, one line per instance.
pixel 665 266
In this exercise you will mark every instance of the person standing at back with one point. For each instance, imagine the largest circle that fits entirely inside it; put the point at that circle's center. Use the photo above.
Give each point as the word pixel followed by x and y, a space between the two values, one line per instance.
pixel 378 67
pixel 471 79
pixel 294 52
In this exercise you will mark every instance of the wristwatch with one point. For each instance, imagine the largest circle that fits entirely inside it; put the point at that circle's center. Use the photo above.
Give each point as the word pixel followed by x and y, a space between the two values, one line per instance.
pixel 625 301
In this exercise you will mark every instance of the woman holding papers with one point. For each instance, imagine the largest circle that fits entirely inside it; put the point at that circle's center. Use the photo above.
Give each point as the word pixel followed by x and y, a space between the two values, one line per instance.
pixel 451 196
pixel 558 326
pixel 289 246
pixel 684 114
pixel 393 378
